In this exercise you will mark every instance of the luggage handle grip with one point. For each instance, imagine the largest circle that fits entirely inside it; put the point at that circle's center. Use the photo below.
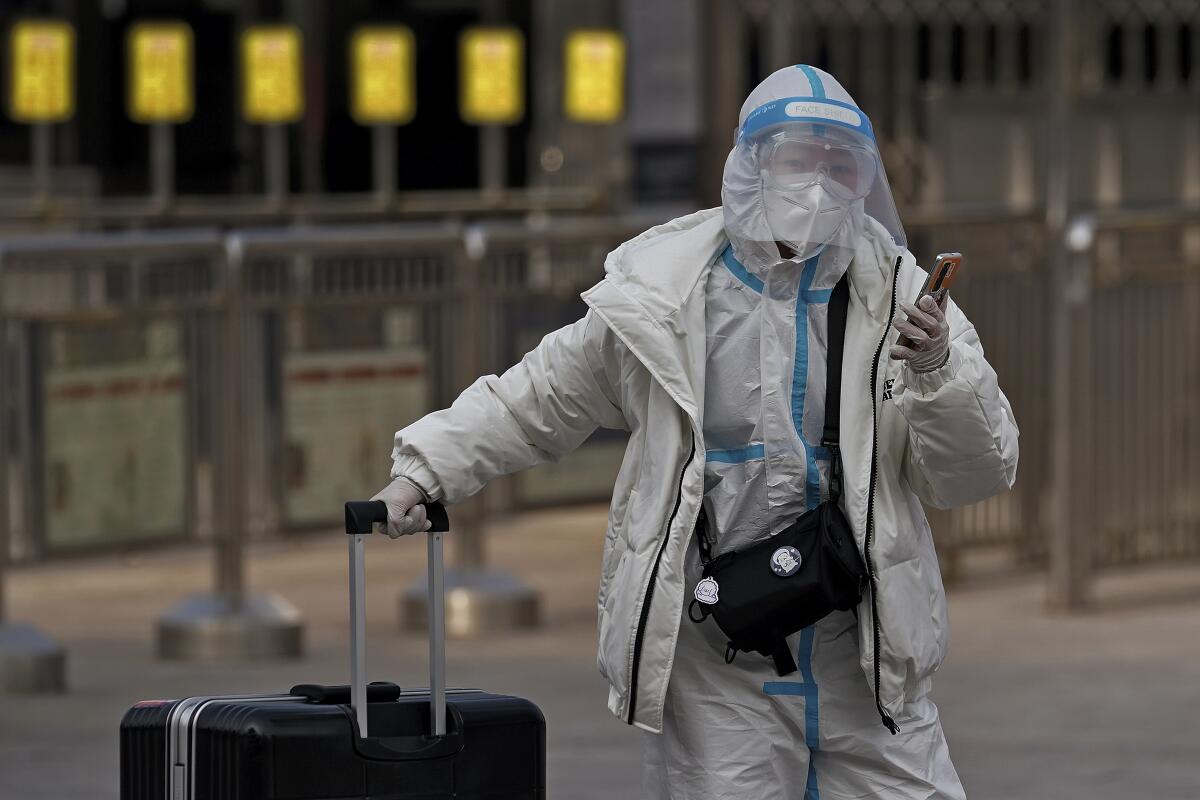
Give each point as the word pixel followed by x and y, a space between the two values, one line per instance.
pixel 360 519
pixel 323 695
pixel 362 514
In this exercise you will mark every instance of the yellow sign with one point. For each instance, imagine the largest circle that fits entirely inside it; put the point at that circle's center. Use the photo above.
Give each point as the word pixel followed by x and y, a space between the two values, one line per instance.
pixel 160 72
pixel 595 76
pixel 382 75
pixel 492 81
pixel 271 79
pixel 42 76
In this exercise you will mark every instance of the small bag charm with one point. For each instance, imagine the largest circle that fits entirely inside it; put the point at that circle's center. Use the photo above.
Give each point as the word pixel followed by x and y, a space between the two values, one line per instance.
pixel 706 591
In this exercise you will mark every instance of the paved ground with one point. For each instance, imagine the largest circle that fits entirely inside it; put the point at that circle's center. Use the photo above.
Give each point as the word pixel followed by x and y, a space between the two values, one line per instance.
pixel 1097 706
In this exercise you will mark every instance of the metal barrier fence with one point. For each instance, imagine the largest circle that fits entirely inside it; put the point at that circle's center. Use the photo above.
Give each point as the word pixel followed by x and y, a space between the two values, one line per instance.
pixel 305 292
pixel 1003 289
pixel 260 342
pixel 1138 370
pixel 246 386
pixel 1133 438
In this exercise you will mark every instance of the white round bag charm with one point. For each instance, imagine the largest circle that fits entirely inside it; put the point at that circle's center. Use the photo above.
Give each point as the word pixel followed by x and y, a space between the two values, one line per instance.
pixel 785 561
pixel 706 591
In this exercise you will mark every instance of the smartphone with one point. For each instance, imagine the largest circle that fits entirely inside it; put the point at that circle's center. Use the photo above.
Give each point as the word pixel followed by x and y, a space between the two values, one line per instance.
pixel 937 283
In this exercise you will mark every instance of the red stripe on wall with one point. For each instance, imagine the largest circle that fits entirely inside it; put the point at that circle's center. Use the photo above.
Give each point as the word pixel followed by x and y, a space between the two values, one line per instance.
pixel 126 387
pixel 355 374
pixel 123 387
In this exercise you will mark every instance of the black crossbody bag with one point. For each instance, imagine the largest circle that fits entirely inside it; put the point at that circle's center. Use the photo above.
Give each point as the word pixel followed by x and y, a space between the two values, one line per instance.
pixel 763 593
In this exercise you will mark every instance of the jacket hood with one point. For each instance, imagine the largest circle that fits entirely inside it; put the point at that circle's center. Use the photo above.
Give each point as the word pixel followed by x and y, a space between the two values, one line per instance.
pixel 653 294
pixel 644 300
pixel 658 269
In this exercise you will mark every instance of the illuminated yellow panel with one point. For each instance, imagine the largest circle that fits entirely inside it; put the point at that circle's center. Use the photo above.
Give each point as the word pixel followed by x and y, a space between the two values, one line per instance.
pixel 272 90
pixel 595 76
pixel 42 87
pixel 160 72
pixel 382 75
pixel 492 80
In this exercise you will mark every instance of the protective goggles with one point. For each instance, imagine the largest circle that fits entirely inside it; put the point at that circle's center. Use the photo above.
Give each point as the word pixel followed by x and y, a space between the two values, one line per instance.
pixel 790 161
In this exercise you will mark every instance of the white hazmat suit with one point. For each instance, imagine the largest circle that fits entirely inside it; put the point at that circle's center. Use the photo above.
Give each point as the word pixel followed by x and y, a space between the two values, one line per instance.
pixel 740 730
pixel 709 347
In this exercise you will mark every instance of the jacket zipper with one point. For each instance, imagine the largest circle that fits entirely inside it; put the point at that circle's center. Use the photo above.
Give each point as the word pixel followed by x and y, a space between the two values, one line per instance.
pixel 641 629
pixel 888 722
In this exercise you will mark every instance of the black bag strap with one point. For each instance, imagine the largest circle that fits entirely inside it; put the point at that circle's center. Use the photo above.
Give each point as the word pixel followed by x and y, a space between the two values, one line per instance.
pixel 839 304
pixel 781 654
pixel 702 536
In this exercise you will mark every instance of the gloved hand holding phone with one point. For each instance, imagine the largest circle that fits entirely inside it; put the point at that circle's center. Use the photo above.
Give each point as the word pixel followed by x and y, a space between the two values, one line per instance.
pixel 925 336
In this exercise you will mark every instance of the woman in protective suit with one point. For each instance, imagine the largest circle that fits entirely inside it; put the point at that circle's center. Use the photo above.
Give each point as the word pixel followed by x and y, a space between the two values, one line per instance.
pixel 707 341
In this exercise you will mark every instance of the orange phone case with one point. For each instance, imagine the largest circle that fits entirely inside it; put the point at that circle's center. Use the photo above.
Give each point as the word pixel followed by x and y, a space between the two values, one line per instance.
pixel 937 283
pixel 945 269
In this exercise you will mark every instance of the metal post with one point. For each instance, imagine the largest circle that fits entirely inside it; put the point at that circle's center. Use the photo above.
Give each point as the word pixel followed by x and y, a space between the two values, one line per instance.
pixel 468 361
pixel 478 599
pixel 275 161
pixel 358 632
pixel 493 158
pixel 1068 586
pixel 778 36
pixel 230 545
pixel 1190 183
pixel 30 661
pixel 228 622
pixel 41 147
pixel 437 636
pixel 27 375
pixel 383 161
pixel 162 164
pixel 724 67
pixel 5 393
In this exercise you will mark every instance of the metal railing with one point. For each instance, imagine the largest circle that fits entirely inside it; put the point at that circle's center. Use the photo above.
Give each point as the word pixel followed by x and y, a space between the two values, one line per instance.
pixel 236 296
pixel 1132 440
pixel 79 210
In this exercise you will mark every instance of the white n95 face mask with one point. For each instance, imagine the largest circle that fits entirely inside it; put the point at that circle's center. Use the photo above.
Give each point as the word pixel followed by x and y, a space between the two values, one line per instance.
pixel 805 219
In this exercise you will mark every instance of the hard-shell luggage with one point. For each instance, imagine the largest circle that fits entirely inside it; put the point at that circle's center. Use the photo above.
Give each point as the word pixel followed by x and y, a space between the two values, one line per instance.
pixel 318 742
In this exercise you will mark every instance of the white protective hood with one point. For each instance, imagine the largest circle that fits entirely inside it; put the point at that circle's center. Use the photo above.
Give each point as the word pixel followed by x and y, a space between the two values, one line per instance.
pixel 811 99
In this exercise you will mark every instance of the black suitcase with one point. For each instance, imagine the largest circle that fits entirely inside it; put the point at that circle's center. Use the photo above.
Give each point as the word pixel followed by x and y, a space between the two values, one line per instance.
pixel 342 742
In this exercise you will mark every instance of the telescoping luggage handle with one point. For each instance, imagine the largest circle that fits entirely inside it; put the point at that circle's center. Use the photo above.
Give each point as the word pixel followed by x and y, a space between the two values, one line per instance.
pixel 360 518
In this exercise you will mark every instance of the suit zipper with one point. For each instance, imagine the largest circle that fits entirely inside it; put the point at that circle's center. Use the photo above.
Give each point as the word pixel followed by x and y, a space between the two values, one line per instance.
pixel 888 722
pixel 641 629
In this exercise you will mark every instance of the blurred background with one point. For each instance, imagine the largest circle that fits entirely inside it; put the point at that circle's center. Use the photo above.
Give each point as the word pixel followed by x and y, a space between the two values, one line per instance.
pixel 241 243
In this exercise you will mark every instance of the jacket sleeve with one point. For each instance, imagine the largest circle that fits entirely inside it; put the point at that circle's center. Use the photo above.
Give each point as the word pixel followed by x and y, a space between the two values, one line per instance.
pixel 961 433
pixel 538 411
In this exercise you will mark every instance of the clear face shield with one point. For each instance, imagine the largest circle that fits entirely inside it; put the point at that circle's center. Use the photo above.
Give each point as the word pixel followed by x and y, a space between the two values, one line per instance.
pixel 807 185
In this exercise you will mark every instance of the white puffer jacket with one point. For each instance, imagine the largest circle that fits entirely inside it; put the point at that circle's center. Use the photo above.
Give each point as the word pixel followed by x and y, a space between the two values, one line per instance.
pixel 636 361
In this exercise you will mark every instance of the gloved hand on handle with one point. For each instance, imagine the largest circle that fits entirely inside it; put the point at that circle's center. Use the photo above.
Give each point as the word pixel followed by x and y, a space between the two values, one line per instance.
pixel 925 336
pixel 406 512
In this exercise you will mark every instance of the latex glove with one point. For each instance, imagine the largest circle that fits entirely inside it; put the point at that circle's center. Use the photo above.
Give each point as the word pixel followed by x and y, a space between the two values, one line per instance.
pixel 406 514
pixel 925 336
